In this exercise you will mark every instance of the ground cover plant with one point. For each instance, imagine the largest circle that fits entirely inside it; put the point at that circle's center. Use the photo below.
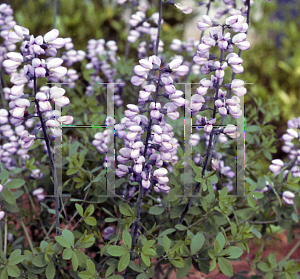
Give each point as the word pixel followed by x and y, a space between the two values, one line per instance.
pixel 137 160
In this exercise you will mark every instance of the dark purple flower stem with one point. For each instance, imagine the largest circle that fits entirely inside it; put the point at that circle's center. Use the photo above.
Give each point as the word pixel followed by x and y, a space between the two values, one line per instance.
pixel 139 209
pixel 2 84
pixel 233 74
pixel 50 155
pixel 208 150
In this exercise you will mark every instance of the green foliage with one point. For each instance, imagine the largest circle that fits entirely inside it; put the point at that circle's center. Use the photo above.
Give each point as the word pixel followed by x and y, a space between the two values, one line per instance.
pixel 215 217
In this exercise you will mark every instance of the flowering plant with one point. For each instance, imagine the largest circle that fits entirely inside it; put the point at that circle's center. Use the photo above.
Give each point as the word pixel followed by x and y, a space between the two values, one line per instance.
pixel 174 198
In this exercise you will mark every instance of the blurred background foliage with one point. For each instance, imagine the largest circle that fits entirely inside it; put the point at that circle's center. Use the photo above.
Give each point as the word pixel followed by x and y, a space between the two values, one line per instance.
pixel 83 20
pixel 271 64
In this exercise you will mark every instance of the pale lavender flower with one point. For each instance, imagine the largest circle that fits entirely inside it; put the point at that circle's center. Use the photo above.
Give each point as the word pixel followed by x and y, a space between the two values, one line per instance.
pixel 39 193
pixel 288 196
pixel 2 214
pixel 207 22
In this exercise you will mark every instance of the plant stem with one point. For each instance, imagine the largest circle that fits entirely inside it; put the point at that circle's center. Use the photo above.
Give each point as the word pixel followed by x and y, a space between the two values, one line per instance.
pixel 139 209
pixel 28 238
pixel 5 235
pixel 1 238
pixel 208 151
pixel 50 155
pixel 291 251
pixel 34 208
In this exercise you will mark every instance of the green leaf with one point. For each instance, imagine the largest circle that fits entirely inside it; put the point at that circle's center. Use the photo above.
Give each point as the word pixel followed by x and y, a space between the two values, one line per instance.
pixel 156 210
pixel 225 266
pixel 4 274
pixel 289 264
pixel 87 242
pixel 124 261
pixel 181 272
pixel 272 260
pixel 81 257
pixel 223 193
pixel 74 261
pixel 197 243
pixel 142 276
pixel 91 266
pixel 39 261
pixel 15 184
pixel 117 251
pixel 293 186
pixel 110 220
pixel 32 276
pixel 167 243
pixel 180 227
pixel 15 259
pixel 221 240
pixel 256 233
pixel 85 275
pixel 15 253
pixel 148 244
pixel 173 193
pixel 149 252
pixel 79 209
pixel 89 211
pixel 126 237
pixel 50 271
pixel 146 259
pixel 62 242
pixel 133 265
pixel 110 270
pixel 264 267
pixel 213 178
pixel 177 211
pixel 108 212
pixel 90 221
pixel 125 209
pixel 234 252
pixel 13 271
pixel 270 275
pixel 167 231
pixel 258 195
pixel 178 262
pixel 8 196
pixel 72 171
pixel 68 235
pixel 252 129
pixel 251 201
pixel 67 254
pixel 204 265
pixel 4 175
pixel 115 277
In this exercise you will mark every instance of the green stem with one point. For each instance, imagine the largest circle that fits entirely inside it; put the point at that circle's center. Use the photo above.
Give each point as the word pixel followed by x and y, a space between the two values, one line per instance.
pixel 5 235
pixel 34 208
pixel 28 238
pixel 1 238
pixel 291 251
